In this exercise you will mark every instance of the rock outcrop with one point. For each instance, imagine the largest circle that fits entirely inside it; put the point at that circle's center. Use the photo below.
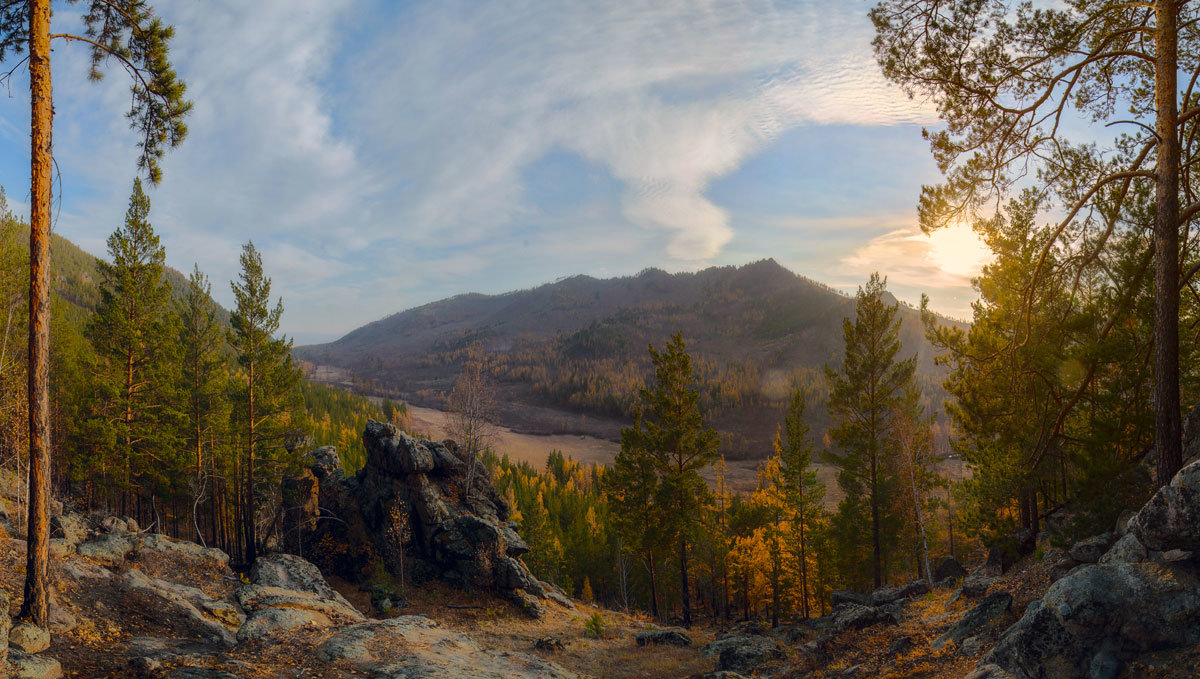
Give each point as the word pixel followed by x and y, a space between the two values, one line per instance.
pixel 1135 594
pixel 409 512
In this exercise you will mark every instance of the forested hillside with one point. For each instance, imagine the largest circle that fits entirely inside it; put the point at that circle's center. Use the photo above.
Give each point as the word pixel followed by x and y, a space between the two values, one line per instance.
pixel 150 384
pixel 571 356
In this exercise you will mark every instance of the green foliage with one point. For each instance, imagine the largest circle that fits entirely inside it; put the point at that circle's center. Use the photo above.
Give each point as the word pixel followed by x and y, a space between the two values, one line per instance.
pixel 595 626
pixel 863 397
pixel 336 417
pixel 134 413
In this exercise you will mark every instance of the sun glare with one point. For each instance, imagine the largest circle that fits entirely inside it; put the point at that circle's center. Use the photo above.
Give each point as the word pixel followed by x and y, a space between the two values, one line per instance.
pixel 958 251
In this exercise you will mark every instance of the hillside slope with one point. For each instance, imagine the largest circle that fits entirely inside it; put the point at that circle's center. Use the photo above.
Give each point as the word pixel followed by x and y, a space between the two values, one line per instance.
pixel 570 356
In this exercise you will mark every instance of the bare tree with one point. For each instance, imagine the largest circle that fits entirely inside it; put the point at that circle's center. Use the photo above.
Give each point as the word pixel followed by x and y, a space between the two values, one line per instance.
pixel 472 405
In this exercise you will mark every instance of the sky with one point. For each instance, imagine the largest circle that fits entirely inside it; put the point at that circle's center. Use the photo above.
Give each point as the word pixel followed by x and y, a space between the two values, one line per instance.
pixel 382 154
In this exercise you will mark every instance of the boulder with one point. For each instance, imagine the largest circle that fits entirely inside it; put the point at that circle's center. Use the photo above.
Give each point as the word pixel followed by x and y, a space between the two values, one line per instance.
pixel 27 637
pixel 987 610
pixel 550 645
pixel 975 585
pixel 408 511
pixel 1171 518
pixel 855 616
pixel 428 651
pixel 948 568
pixel 989 671
pixel 660 637
pixel 23 665
pixel 845 596
pixel 210 618
pixel 290 572
pixel 1115 610
pixel 70 527
pixel 891 594
pixel 110 549
pixel 1126 550
pixel 269 622
pixel 1091 549
pixel 748 654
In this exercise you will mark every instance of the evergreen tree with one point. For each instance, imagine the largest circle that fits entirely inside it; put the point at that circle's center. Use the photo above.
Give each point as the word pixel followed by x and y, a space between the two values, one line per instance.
pixel 631 487
pixel 268 393
pixel 803 493
pixel 128 32
pixel 131 334
pixel 863 396
pixel 670 433
pixel 202 386
pixel 1003 76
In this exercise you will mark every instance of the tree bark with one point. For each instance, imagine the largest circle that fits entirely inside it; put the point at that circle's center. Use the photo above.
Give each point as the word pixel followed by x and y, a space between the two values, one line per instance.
pixel 1167 425
pixel 684 594
pixel 248 512
pixel 36 605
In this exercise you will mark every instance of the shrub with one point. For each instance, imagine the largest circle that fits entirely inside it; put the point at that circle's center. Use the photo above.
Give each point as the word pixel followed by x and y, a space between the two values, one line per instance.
pixel 594 627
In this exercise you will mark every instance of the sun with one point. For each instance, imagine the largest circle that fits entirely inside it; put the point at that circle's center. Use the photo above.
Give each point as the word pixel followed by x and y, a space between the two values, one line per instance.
pixel 959 251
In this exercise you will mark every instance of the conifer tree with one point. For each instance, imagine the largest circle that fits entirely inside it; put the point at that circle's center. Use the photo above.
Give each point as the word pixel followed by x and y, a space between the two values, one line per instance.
pixel 632 487
pixel 803 492
pixel 669 431
pixel 125 31
pixel 268 391
pixel 863 396
pixel 131 334
pixel 200 337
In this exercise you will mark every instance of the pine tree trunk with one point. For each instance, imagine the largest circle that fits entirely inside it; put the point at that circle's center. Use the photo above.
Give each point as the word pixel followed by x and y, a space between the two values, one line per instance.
pixel 1167 425
pixel 685 595
pixel 248 511
pixel 803 568
pixel 36 605
pixel 653 585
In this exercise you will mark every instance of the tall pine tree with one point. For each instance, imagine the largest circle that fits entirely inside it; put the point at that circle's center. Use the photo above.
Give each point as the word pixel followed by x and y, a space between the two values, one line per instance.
pixel 202 372
pixel 130 333
pixel 863 396
pixel 803 493
pixel 268 392
pixel 669 431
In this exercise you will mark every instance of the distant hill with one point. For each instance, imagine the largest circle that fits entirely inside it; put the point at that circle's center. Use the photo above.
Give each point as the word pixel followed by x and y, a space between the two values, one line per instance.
pixel 569 356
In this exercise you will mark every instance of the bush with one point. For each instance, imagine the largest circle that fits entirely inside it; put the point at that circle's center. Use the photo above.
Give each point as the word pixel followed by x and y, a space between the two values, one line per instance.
pixel 594 627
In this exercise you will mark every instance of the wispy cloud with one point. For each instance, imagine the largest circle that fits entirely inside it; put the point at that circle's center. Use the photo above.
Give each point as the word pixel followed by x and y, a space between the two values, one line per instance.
pixel 376 151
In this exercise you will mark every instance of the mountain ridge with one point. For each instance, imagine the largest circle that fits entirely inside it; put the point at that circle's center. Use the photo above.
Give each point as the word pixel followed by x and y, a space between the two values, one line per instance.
pixel 568 355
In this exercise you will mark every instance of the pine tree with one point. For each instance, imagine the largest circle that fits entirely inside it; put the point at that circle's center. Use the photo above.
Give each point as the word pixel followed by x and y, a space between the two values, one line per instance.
pixel 863 396
pixel 631 487
pixel 202 372
pixel 670 432
pixel 128 32
pixel 803 492
pixel 131 334
pixel 269 383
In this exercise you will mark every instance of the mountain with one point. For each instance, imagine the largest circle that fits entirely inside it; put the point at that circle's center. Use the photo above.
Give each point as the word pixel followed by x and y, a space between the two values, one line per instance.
pixel 569 356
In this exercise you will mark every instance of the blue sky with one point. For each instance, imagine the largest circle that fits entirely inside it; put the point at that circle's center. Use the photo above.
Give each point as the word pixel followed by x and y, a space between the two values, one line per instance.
pixel 384 155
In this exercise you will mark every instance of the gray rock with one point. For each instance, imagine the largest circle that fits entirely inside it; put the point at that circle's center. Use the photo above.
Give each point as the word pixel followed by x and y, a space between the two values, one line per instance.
pixel 845 596
pixel 1122 526
pixel 971 646
pixel 72 528
pixel 854 616
pixel 201 673
pixel 1124 608
pixel 5 622
pixel 975 585
pixel 891 594
pixel 1125 550
pixel 269 622
pixel 27 637
pixel 432 652
pixel 1058 563
pixel 1091 549
pixel 157 543
pixel 989 671
pixel 992 606
pixel 110 549
pixel 288 571
pixel 349 644
pixel 900 645
pixel 550 645
pixel 60 548
pixel 23 665
pixel 212 618
pixel 659 637
pixel 748 654
pixel 948 568
pixel 1171 519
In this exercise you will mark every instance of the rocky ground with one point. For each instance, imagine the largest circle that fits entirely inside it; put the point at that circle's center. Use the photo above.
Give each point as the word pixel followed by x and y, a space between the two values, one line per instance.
pixel 127 602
